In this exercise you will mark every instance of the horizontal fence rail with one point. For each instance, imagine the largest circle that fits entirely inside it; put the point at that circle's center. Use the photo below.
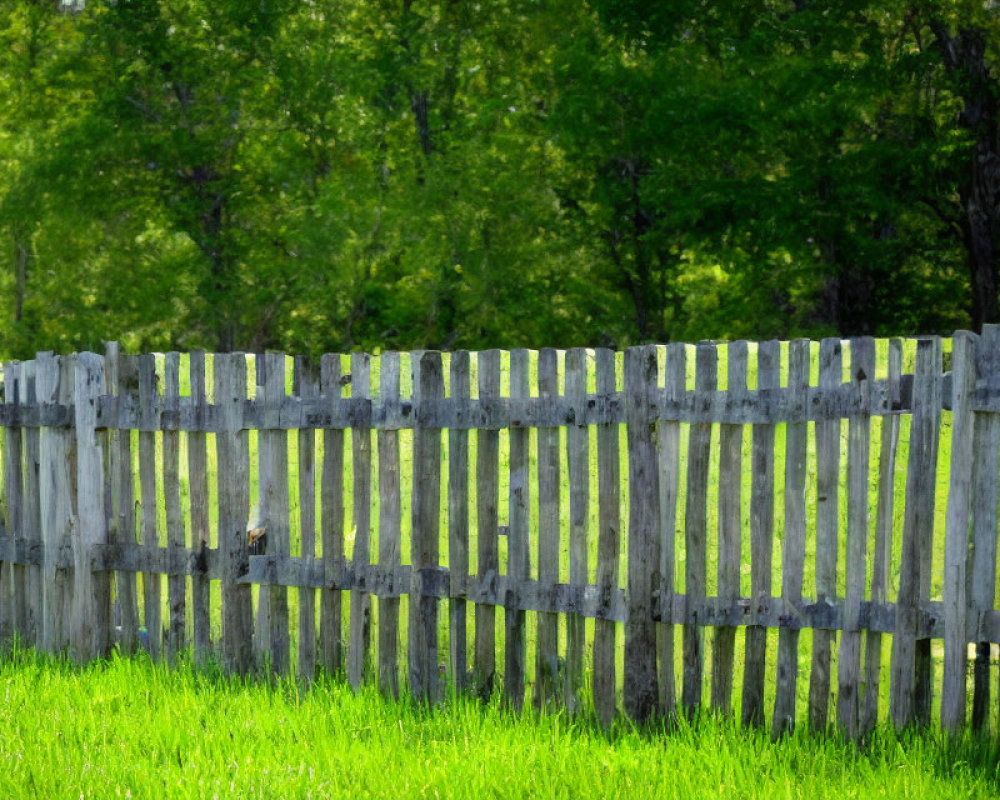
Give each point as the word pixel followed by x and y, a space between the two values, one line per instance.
pixel 455 522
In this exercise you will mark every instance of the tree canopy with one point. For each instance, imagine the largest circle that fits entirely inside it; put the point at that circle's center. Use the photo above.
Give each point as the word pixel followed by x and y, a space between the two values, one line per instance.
pixel 318 175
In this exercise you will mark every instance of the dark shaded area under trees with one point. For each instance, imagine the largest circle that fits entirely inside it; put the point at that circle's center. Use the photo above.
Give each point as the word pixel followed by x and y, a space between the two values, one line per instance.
pixel 331 175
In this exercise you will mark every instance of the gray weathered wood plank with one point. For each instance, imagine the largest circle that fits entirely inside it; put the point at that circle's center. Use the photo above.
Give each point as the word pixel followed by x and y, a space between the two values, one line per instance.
pixel 578 476
pixel 963 365
pixel 641 690
pixel 359 644
pixel 233 472
pixel 305 385
pixel 176 588
pixel 332 521
pixel 849 716
pixel 761 537
pixel 426 521
pixel 30 513
pixel 730 535
pixel 487 523
pixel 197 451
pixel 793 552
pixel 518 543
pixel 458 520
pixel 12 586
pixel 696 526
pixel 827 532
pixel 149 528
pixel 389 530
pixel 547 688
pixel 668 455
pixel 882 549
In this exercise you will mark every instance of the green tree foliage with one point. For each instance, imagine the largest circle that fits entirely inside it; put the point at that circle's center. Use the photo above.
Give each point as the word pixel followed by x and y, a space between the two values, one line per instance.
pixel 332 174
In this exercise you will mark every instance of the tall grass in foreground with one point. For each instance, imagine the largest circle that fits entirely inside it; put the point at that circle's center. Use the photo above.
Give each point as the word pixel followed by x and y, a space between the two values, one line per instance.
pixel 130 728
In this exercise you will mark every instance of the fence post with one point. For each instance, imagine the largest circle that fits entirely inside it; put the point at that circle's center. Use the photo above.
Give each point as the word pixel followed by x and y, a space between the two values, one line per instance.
pixel 641 687
pixel 92 606
pixel 234 501
pixel 426 511
pixel 957 531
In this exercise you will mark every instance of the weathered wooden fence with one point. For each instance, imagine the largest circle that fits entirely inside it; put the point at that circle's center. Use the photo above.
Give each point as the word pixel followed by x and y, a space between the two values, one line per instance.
pixel 526 516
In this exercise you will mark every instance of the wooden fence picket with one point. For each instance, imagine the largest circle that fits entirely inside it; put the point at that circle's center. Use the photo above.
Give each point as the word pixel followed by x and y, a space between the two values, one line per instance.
pixel 389 531
pixel 578 475
pixel 332 523
pixel 197 451
pixel 547 689
pixel 458 521
pixel 176 581
pixel 305 387
pixel 518 545
pixel 487 524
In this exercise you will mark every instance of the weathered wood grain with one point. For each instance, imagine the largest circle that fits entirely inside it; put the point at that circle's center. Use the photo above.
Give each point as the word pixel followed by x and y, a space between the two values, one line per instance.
pixel 176 589
pixel 761 537
pixel 359 645
pixel 668 455
pixel 332 522
pixel 608 545
pixel 856 565
pixel 487 523
pixel 12 587
pixel 882 550
pixel 426 520
pixel 305 385
pixel 233 470
pixel 983 556
pixel 578 477
pixel 389 530
pixel 149 528
pixel 905 705
pixel 458 520
pixel 730 534
pixel 518 543
pixel 547 688
pixel 641 692
pixel 793 553
pixel 91 619
pixel 197 451
pixel 957 527
pixel 827 533
pixel 30 512
pixel 696 526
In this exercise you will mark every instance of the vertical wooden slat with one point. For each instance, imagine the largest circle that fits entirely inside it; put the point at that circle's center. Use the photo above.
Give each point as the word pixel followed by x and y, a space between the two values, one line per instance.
pixel 177 630
pixel 258 517
pixel 458 521
pixel 983 557
pixel 426 516
pixel 882 552
pixel 963 365
pixel 92 603
pixel 198 487
pixel 274 503
pixel 905 705
pixel 487 500
pixel 856 566
pixel 668 444
pixel 827 532
pixel 794 547
pixel 306 388
pixel 922 667
pixel 761 536
pixel 547 651
pixel 233 472
pixel 332 523
pixel 12 575
pixel 641 690
pixel 359 647
pixel 30 512
pixel 608 544
pixel 518 552
pixel 578 475
pixel 730 520
pixel 696 529
pixel 57 453
pixel 389 526
pixel 149 530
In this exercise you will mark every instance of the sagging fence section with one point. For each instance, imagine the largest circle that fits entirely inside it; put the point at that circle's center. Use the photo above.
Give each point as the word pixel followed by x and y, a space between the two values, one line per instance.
pixel 580 493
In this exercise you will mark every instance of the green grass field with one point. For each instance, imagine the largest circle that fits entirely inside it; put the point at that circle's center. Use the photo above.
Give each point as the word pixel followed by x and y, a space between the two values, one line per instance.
pixel 129 728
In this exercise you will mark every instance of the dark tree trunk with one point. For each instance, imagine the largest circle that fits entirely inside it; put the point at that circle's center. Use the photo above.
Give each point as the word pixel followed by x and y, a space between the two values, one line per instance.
pixel 964 55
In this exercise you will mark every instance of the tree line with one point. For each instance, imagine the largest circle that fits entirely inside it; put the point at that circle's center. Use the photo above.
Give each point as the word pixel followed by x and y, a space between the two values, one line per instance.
pixel 322 175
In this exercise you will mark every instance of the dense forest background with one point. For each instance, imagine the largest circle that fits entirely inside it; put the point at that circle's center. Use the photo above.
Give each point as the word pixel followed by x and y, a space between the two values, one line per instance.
pixel 320 175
